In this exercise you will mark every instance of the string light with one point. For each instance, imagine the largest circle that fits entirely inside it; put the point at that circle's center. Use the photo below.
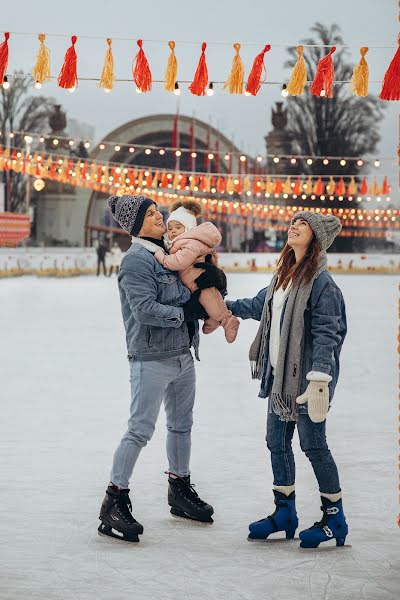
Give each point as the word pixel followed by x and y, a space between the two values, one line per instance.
pixel 147 151
pixel 210 155
pixel 193 154
pixel 55 142
pixel 377 163
pixel 177 91
pixel 242 158
pixel 107 90
pixel 6 83
pixel 360 163
pixel 87 145
pixel 284 91
pixel 325 161
pixel 343 162
pixel 71 142
pixel 102 146
pixel 293 160
pixel 276 159
pixel 178 153
pixel 131 149
pixel 259 158
pixel 210 91
pixel 309 161
pixel 227 157
pixel 72 89
pixel 38 85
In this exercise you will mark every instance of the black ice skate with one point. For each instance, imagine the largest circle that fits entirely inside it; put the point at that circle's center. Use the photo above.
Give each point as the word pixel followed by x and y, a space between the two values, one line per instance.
pixel 186 503
pixel 116 517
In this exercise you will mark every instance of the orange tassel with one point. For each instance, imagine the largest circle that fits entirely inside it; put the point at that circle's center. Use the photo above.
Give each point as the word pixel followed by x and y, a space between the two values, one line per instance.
pixel 298 78
pixel 107 75
pixel 199 83
pixel 391 82
pixel 141 70
pixel 319 187
pixel 323 80
pixel 359 80
pixel 41 70
pixel 4 56
pixel 171 71
pixel 258 68
pixel 278 186
pixel 68 77
pixel 236 76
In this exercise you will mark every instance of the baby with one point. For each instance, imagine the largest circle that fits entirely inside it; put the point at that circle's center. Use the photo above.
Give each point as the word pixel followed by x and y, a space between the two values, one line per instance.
pixel 189 243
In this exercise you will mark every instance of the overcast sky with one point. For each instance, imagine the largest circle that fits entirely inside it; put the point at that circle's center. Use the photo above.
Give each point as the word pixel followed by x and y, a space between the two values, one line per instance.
pixel 244 119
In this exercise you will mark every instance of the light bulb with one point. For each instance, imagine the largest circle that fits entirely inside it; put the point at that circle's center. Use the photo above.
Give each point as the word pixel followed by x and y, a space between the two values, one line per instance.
pixel 210 155
pixel 71 89
pixel 342 162
pixel 284 91
pixel 138 90
pixel 243 158
pixel 6 83
pixel 377 163
pixel 193 154
pixel 55 142
pixel 210 90
pixel 259 158
pixel 162 151
pixel 117 148
pixel 325 161
pixel 102 146
pixel 178 153
pixel 309 161
pixel 38 85
pixel 177 91
pixel 87 145
pixel 41 139
pixel 293 161
pixel 276 159
pixel 322 93
pixel 360 163
pixel 107 90
pixel 71 142
pixel 28 139
pixel 147 151
pixel 227 157
pixel 131 149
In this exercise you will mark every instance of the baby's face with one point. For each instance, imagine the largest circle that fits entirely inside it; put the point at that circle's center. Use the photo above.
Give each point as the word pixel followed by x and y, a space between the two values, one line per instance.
pixel 174 229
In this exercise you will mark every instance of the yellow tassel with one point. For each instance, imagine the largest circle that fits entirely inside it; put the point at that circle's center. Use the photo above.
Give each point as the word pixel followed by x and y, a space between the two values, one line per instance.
pixel 308 187
pixel 359 80
pixel 298 78
pixel 246 184
pixel 269 186
pixel 287 186
pixel 352 187
pixel 107 75
pixel 236 76
pixel 230 187
pixel 41 70
pixel 172 70
pixel 330 188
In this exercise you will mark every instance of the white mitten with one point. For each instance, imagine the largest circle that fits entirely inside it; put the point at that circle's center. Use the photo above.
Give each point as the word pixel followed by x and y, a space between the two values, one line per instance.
pixel 317 396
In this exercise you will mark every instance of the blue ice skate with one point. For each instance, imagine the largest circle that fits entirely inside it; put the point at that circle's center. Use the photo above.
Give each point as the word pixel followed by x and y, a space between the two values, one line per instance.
pixel 283 519
pixel 332 526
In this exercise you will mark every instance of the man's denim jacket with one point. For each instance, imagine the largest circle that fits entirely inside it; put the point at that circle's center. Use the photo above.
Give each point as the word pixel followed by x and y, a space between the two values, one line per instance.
pixel 151 301
pixel 325 328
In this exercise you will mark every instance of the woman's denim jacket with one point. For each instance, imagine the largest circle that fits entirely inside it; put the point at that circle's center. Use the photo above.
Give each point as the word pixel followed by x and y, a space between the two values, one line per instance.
pixel 151 301
pixel 324 332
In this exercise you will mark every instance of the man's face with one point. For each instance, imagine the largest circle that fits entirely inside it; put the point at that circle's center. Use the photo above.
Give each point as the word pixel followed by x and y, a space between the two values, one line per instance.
pixel 153 224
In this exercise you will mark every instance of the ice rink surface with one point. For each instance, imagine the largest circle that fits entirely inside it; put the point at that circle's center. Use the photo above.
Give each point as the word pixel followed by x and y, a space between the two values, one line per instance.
pixel 65 398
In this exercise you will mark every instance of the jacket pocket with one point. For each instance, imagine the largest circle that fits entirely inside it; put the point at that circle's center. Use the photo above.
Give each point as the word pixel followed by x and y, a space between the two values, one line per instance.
pixel 167 288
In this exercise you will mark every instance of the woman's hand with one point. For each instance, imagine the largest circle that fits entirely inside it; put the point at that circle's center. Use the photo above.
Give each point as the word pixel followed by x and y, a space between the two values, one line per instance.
pixel 317 396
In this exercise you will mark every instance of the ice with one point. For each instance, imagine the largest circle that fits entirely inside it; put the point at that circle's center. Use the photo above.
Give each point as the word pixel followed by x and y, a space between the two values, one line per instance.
pixel 65 399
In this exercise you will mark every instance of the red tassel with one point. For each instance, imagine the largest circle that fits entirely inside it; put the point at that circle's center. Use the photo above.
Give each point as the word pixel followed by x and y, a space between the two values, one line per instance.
pixel 278 186
pixel 385 187
pixel 68 77
pixel 199 83
pixel 141 70
pixel 323 80
pixel 364 187
pixel 297 186
pixel 254 79
pixel 319 187
pixel 340 187
pixel 391 82
pixel 4 56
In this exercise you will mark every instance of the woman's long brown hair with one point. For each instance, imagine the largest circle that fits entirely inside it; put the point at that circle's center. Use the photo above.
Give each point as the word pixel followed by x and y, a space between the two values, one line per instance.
pixel 302 271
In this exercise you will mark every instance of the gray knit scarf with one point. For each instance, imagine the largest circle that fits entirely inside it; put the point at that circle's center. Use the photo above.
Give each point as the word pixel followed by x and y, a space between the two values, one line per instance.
pixel 286 383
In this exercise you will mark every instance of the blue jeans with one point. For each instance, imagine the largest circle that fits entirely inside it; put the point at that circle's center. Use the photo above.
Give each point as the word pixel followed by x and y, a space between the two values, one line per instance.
pixel 172 380
pixel 313 443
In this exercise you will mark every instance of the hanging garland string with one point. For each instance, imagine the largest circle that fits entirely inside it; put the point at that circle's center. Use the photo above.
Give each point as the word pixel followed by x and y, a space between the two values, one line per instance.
pixel 321 85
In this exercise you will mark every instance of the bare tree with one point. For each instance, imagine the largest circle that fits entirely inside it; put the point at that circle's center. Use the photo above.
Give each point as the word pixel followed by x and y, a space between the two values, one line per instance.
pixel 344 125
pixel 20 112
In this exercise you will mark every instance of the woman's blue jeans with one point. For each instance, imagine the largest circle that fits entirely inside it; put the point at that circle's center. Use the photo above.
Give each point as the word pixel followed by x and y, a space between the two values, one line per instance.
pixel 313 443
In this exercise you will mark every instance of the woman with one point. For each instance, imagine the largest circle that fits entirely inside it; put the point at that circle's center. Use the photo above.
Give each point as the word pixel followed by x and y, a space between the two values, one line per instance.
pixel 296 356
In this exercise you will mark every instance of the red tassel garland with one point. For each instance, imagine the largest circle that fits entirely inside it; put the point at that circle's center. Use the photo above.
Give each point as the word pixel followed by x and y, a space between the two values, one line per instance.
pixel 258 69
pixel 323 80
pixel 199 83
pixel 141 70
pixel 4 56
pixel 68 77
pixel 391 82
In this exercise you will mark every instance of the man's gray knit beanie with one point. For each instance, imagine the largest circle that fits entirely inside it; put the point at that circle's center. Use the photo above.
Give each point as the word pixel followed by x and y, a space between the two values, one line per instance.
pixel 325 227
pixel 129 211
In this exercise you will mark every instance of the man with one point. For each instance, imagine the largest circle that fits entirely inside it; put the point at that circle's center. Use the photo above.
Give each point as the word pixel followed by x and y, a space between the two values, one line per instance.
pixel 101 257
pixel 160 319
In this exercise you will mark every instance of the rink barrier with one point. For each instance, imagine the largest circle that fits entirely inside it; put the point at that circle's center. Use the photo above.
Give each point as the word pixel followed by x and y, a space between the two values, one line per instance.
pixel 398 423
pixel 75 262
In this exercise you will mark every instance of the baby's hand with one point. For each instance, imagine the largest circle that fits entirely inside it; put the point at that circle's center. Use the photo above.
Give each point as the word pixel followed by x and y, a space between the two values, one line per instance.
pixel 159 255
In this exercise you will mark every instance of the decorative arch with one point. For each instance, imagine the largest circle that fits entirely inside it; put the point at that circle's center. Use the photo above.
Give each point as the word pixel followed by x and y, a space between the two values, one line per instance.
pixel 158 130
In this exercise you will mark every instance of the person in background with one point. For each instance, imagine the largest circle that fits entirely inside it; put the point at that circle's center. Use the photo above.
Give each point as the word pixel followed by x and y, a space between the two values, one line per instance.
pixel 101 251
pixel 115 259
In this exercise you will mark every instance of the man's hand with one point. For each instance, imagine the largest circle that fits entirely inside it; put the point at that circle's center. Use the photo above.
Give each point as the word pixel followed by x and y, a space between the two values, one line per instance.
pixel 193 310
pixel 212 277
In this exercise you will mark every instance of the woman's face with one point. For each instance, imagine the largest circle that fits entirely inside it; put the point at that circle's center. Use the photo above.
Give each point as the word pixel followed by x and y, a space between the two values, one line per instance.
pixel 300 235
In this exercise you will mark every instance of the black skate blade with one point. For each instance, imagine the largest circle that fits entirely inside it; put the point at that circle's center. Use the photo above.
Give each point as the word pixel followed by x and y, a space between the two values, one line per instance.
pixel 325 548
pixel 107 531
pixel 269 540
pixel 181 515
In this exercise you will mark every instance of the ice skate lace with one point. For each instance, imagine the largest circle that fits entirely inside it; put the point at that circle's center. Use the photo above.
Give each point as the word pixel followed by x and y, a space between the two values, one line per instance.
pixel 187 491
pixel 123 507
